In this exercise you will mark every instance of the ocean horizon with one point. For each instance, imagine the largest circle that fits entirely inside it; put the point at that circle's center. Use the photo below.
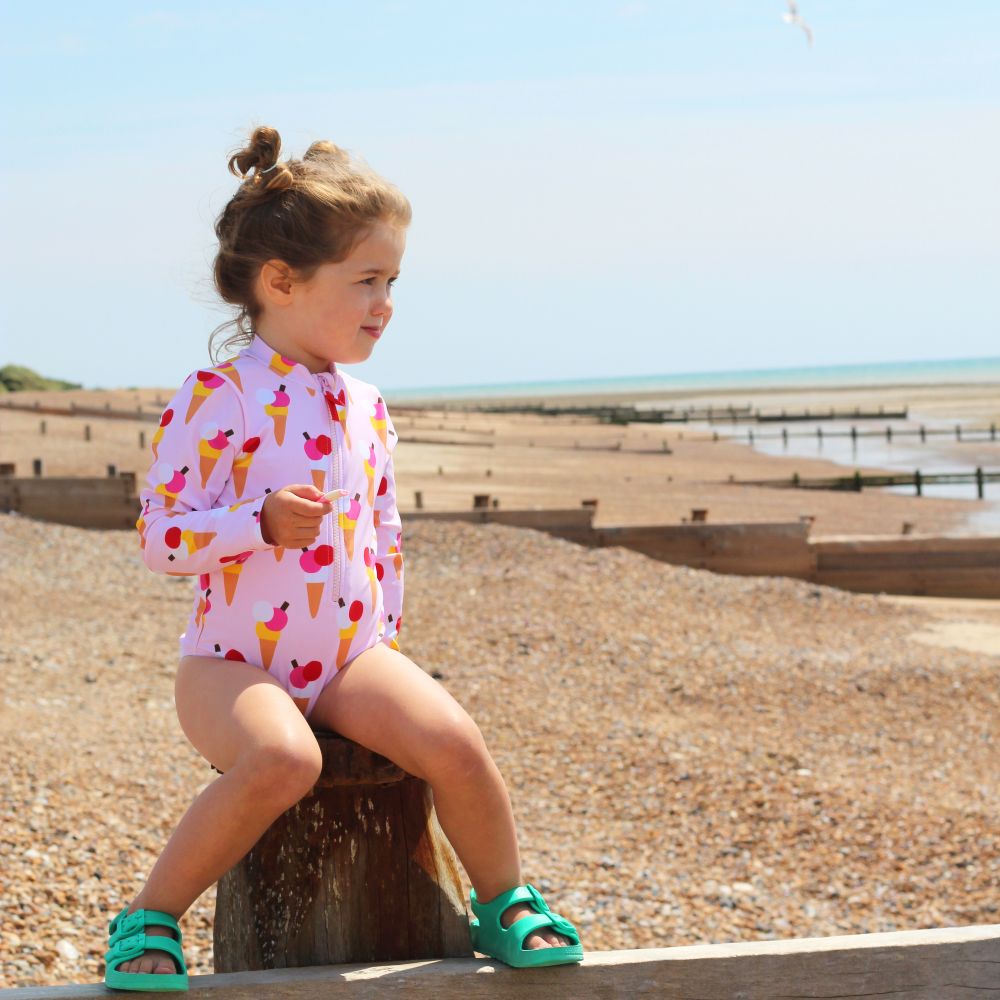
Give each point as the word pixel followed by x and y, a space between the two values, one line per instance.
pixel 947 370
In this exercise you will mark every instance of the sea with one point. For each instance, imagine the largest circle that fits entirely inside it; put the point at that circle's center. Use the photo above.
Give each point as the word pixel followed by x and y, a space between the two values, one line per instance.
pixel 960 370
pixel 939 454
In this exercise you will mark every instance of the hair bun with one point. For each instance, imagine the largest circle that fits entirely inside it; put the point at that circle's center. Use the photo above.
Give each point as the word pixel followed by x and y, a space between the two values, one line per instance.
pixel 322 149
pixel 260 155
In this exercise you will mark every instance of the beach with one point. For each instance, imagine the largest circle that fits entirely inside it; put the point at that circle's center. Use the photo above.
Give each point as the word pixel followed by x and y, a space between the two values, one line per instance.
pixel 692 758
pixel 639 474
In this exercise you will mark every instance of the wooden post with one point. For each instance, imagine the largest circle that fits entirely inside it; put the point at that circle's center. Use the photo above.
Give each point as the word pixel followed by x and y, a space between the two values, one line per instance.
pixel 918 481
pixel 142 439
pixel 36 466
pixel 784 436
pixel 418 499
pixel 857 481
pixel 750 435
pixel 854 437
pixel 819 436
pixel 888 434
pixel 357 871
pixel 979 482
pixel 958 432
pixel 993 432
pixel 923 434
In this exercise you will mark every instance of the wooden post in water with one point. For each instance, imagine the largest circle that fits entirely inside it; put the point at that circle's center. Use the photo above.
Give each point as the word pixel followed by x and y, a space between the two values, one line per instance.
pixel 923 434
pixel 888 434
pixel 854 436
pixel 857 481
pixel 979 482
pixel 819 436
pixel 918 481
pixel 784 436
pixel 958 432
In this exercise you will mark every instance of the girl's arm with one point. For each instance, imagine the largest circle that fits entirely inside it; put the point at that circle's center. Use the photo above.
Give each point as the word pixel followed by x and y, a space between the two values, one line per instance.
pixel 183 531
pixel 389 546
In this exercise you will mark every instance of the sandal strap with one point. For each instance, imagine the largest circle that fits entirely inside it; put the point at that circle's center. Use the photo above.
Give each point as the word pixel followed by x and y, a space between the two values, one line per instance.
pixel 529 894
pixel 136 945
pixel 126 924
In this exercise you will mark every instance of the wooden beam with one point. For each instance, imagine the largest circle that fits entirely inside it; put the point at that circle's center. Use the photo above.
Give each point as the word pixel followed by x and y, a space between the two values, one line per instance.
pixel 950 963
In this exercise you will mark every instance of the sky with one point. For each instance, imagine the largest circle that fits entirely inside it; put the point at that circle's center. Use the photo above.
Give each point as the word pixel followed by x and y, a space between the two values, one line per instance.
pixel 599 189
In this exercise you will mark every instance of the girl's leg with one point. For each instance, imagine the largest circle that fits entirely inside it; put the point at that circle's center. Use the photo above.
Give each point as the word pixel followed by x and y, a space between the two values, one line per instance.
pixel 242 720
pixel 385 702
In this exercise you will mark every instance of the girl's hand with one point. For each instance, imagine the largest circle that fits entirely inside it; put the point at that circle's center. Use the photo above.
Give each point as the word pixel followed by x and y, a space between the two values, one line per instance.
pixel 290 518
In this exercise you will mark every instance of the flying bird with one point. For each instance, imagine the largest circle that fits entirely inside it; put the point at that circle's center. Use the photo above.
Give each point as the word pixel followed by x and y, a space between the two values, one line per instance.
pixel 794 18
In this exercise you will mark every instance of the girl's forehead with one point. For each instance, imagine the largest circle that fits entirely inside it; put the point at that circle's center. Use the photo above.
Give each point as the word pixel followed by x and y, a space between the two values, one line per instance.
pixel 381 248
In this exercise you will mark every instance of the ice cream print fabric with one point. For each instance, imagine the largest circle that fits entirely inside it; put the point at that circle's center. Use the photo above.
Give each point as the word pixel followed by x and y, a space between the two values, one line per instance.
pixel 231 435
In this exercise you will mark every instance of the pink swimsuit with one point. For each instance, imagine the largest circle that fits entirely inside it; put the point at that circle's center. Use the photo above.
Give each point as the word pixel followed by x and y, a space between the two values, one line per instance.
pixel 231 435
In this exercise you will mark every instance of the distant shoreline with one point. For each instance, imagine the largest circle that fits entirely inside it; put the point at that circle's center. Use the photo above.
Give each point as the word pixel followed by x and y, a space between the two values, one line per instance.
pixel 416 398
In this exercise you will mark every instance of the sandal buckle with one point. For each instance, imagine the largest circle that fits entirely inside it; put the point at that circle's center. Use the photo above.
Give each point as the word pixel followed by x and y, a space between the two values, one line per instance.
pixel 130 924
pixel 128 947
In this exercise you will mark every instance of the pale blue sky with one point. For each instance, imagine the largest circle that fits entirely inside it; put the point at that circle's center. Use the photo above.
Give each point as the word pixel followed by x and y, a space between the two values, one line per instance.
pixel 603 188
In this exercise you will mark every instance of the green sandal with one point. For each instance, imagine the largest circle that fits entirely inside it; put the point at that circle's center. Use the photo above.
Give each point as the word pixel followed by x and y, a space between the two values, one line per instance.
pixel 491 938
pixel 127 940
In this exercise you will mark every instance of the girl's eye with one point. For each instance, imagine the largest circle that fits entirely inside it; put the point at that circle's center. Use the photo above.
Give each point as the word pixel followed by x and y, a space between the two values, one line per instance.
pixel 392 281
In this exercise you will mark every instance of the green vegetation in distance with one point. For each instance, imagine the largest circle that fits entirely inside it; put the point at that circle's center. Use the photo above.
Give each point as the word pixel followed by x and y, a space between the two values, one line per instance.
pixel 16 378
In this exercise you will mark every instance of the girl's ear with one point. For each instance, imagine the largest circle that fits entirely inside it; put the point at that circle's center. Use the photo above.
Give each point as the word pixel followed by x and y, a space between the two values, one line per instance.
pixel 275 281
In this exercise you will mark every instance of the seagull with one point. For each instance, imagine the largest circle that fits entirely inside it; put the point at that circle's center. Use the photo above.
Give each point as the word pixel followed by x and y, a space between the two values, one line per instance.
pixel 794 18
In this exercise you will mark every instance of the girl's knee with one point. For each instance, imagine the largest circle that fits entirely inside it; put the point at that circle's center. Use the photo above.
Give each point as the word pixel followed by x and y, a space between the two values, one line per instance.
pixel 457 746
pixel 284 770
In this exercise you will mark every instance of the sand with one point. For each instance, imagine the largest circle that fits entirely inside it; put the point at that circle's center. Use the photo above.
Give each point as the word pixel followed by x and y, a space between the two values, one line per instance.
pixel 692 758
pixel 528 461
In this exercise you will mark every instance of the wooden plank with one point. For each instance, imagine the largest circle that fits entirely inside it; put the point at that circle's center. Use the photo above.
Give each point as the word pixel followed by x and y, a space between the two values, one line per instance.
pixel 951 963
pixel 754 549
pixel 938 583
pixel 904 561
pixel 878 544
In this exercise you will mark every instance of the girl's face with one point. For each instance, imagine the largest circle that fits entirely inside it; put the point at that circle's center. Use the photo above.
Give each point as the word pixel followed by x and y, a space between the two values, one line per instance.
pixel 342 310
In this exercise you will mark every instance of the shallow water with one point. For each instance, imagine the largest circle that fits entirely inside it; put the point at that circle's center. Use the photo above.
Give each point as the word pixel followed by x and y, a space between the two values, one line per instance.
pixel 940 453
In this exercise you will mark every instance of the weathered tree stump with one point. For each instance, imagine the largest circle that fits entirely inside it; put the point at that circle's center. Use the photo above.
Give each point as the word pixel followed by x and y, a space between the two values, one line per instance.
pixel 357 871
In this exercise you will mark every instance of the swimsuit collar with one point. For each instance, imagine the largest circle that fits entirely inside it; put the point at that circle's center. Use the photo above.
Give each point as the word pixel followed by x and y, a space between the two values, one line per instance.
pixel 280 365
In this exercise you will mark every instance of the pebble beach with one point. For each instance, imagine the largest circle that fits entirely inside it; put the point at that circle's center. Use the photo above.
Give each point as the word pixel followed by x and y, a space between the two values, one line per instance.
pixel 692 758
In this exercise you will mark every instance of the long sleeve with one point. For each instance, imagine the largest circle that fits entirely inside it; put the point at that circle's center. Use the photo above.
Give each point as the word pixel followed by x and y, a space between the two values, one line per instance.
pixel 389 546
pixel 183 529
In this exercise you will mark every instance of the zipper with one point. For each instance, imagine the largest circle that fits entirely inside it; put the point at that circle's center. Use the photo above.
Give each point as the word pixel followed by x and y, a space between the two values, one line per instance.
pixel 334 531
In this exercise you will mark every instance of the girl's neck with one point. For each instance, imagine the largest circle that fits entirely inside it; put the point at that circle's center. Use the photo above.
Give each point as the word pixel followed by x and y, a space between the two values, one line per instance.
pixel 277 343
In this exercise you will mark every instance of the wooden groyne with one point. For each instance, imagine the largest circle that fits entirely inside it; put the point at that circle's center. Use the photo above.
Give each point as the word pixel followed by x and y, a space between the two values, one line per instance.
pixel 960 434
pixel 72 410
pixel 941 566
pixel 946 963
pixel 631 414
pixel 857 482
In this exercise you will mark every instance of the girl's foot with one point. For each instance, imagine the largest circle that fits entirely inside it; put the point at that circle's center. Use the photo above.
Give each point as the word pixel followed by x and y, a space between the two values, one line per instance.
pixel 545 937
pixel 151 960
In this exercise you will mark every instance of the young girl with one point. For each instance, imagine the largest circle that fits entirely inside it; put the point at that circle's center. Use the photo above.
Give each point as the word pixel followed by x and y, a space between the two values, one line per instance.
pixel 272 483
